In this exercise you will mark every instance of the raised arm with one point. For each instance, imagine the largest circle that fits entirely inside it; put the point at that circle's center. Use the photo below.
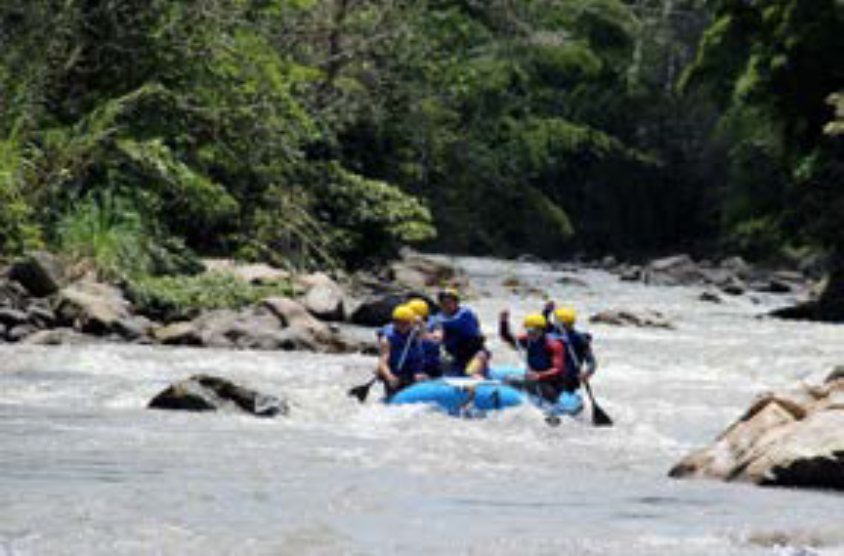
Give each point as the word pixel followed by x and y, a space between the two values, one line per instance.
pixel 504 329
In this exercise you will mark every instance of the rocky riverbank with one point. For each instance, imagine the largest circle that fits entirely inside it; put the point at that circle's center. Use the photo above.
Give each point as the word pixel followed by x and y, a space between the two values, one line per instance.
pixel 43 301
pixel 46 301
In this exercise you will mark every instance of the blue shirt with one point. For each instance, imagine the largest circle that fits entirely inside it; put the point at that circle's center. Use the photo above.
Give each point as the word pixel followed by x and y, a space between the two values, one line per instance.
pixel 458 329
pixel 406 359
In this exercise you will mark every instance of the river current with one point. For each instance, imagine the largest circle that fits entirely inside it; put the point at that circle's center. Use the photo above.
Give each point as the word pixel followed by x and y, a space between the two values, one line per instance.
pixel 86 470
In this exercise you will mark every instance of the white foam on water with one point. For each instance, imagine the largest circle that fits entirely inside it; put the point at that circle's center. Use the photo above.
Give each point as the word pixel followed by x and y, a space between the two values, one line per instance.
pixel 86 469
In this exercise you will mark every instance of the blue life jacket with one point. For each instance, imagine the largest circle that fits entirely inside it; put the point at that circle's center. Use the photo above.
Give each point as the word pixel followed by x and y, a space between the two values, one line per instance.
pixel 576 347
pixel 431 350
pixel 412 364
pixel 539 358
pixel 460 330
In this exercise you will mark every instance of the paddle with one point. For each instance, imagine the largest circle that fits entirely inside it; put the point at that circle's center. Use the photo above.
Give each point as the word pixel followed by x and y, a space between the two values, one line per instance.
pixel 361 392
pixel 599 416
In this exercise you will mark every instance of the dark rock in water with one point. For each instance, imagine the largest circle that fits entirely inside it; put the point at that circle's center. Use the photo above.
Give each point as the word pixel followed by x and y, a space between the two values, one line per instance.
pixel 836 374
pixel 40 273
pixel 645 319
pixel 775 286
pixel 710 297
pixel 784 439
pixel 631 274
pixel 572 282
pixel 13 295
pixel 733 287
pixel 210 393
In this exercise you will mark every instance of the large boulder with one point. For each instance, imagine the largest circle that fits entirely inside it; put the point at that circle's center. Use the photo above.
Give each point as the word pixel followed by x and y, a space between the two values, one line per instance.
pixel 92 307
pixel 210 393
pixel 785 439
pixel 672 271
pixel 419 272
pixel 303 331
pixel 377 310
pixel 254 328
pixel 324 298
pixel 40 272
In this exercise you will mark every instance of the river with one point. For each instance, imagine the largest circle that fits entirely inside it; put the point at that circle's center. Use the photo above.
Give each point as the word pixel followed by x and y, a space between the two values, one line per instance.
pixel 86 470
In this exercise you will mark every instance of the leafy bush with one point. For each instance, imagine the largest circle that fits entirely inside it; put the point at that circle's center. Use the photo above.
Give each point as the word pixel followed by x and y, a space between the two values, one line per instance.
pixel 368 219
pixel 172 298
pixel 757 239
pixel 107 233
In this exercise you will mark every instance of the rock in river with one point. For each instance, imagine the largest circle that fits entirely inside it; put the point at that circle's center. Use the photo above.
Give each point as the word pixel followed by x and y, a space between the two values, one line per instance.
pixel 210 393
pixel 784 439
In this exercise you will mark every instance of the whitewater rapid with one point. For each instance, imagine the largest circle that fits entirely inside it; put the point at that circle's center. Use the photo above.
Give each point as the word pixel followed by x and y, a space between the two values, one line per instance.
pixel 85 469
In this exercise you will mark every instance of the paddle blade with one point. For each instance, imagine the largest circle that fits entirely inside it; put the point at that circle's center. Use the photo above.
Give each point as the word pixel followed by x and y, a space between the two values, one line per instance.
pixel 361 392
pixel 600 417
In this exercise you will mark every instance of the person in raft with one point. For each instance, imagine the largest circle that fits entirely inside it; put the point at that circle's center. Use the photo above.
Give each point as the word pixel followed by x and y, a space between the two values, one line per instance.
pixel 544 356
pixel 458 330
pixel 432 363
pixel 580 360
pixel 401 357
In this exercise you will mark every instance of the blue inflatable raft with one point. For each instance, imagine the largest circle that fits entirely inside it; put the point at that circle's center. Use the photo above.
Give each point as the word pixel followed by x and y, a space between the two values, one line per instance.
pixel 466 396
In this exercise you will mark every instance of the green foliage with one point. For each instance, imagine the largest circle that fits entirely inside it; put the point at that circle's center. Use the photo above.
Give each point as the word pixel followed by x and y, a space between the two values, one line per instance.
pixel 174 298
pixel 780 61
pixel 285 232
pixel 757 239
pixel 367 219
pixel 329 132
pixel 17 229
pixel 107 234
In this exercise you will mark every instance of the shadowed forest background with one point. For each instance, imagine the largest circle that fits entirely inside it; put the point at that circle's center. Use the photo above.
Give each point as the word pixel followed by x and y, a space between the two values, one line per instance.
pixel 328 133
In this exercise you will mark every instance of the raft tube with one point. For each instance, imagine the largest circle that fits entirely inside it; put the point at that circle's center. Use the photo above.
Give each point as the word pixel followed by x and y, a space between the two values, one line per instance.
pixel 569 403
pixel 455 397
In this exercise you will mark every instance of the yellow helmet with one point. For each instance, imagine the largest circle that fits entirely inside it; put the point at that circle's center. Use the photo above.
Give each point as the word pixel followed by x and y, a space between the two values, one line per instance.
pixel 449 292
pixel 535 321
pixel 566 315
pixel 403 313
pixel 419 306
